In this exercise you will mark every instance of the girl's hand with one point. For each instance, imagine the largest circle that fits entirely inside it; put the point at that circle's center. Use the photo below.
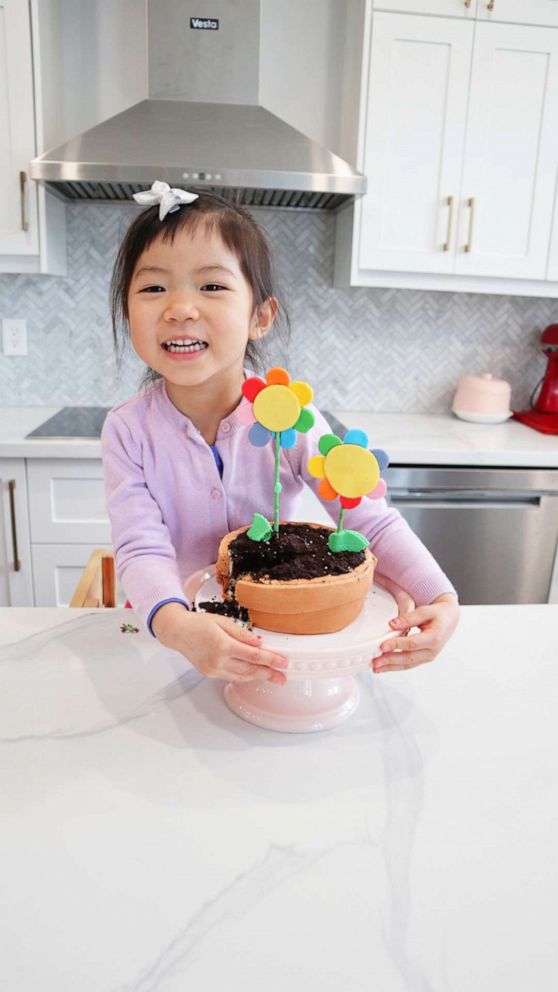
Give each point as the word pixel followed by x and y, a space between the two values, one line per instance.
pixel 437 623
pixel 217 646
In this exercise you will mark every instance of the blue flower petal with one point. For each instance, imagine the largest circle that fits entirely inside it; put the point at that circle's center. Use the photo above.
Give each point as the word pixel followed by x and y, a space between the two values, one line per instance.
pixel 381 457
pixel 356 436
pixel 259 435
pixel 288 438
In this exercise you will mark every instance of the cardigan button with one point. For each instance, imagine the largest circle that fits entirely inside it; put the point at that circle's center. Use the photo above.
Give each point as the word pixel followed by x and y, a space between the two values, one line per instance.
pixel 216 494
pixel 226 427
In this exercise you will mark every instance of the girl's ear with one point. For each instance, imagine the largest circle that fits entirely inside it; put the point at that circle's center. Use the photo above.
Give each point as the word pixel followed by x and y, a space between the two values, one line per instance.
pixel 263 318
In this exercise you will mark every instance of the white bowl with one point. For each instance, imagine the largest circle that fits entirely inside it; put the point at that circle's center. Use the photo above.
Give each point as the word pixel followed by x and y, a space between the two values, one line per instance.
pixel 483 418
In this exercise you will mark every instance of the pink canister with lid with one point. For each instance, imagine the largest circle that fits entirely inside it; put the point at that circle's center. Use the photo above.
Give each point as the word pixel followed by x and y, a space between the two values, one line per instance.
pixel 482 399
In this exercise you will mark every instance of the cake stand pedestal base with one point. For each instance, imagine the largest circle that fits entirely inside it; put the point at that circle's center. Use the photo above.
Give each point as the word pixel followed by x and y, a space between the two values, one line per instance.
pixel 299 707
pixel 321 691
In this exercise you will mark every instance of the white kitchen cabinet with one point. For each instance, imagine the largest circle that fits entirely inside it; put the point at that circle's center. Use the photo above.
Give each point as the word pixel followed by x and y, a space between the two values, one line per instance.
pixel 543 12
pixel 458 140
pixel 511 153
pixel 15 559
pixel 68 520
pixel 552 270
pixel 443 8
pixel 32 222
pixel 417 98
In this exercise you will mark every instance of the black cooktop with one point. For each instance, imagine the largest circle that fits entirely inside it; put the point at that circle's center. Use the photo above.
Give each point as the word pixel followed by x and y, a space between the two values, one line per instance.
pixel 87 421
pixel 73 421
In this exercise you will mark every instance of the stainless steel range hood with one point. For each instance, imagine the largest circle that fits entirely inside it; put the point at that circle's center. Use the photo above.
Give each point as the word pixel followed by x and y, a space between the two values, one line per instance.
pixel 205 121
pixel 244 152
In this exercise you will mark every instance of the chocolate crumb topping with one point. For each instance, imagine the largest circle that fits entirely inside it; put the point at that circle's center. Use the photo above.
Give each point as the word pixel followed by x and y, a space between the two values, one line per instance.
pixel 296 552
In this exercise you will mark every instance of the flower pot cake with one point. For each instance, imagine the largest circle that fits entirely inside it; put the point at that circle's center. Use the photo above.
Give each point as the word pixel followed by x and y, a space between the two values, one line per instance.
pixel 292 577
pixel 293 583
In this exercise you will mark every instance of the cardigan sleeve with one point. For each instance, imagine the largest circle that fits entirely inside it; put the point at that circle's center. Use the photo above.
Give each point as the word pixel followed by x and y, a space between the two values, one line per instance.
pixel 401 555
pixel 144 554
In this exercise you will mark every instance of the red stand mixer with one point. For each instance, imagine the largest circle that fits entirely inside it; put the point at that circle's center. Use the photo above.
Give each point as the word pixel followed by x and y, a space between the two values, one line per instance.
pixel 543 415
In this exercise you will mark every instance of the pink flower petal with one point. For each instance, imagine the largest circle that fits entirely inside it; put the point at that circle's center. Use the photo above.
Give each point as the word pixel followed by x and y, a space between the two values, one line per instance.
pixel 245 414
pixel 379 492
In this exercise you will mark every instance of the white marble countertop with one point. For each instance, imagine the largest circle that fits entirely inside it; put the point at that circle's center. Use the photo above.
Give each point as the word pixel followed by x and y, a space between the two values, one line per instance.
pixel 16 422
pixel 410 439
pixel 443 439
pixel 152 841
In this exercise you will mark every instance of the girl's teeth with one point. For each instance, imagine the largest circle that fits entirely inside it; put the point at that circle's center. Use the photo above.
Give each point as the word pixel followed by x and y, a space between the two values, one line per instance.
pixel 182 346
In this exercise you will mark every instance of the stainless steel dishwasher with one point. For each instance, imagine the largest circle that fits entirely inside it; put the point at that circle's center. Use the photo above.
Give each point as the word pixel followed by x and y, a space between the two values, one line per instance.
pixel 494 531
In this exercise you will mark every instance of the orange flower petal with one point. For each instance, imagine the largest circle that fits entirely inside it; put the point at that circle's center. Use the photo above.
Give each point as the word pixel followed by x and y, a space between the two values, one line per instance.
pixel 278 377
pixel 326 491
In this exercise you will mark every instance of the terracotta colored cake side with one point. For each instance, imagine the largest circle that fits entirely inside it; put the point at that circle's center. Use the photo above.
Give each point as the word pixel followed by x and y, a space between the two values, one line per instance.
pixel 299 606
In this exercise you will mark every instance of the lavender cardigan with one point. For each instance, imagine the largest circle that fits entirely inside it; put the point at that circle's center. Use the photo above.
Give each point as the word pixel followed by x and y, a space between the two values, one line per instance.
pixel 169 507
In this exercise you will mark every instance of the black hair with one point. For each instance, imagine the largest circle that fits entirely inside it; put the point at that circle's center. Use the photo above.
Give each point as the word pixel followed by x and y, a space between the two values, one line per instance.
pixel 239 233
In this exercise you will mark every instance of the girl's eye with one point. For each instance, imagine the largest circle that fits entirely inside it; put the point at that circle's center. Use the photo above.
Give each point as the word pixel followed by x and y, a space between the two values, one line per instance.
pixel 153 289
pixel 212 287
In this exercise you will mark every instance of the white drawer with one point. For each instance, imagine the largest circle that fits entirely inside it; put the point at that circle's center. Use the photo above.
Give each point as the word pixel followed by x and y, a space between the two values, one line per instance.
pixel 67 501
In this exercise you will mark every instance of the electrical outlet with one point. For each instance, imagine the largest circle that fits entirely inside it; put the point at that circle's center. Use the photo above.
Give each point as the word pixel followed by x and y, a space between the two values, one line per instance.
pixel 15 336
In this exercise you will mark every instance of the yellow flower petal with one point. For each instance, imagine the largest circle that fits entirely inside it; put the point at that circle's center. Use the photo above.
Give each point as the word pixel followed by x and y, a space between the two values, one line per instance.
pixel 352 471
pixel 316 466
pixel 304 392
pixel 277 408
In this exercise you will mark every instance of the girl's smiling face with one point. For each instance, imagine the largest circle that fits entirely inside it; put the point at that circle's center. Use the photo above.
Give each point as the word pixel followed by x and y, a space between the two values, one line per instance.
pixel 190 309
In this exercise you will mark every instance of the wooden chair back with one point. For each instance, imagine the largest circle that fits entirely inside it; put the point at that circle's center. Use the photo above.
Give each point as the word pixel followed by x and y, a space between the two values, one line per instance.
pixel 97 585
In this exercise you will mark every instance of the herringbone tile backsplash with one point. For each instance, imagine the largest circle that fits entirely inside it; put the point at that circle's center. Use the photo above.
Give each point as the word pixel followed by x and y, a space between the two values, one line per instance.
pixel 368 349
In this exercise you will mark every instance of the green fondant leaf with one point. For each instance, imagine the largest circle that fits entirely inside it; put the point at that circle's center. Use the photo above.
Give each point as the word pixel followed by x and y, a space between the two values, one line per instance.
pixel 347 540
pixel 305 421
pixel 260 529
pixel 335 542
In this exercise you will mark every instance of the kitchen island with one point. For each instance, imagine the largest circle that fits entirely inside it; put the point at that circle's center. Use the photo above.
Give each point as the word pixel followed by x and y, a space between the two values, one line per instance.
pixel 151 840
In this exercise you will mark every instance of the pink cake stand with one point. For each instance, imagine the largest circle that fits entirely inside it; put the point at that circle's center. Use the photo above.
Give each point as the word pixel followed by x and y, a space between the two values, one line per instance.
pixel 321 691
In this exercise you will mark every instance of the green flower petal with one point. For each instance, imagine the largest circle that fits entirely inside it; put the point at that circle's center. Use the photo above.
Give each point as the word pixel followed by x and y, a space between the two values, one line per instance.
pixel 327 442
pixel 305 421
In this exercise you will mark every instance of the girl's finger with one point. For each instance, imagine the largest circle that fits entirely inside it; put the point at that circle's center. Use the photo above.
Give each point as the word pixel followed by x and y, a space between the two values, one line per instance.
pixel 252 650
pixel 256 655
pixel 238 630
pixel 416 642
pixel 413 618
pixel 400 662
pixel 243 672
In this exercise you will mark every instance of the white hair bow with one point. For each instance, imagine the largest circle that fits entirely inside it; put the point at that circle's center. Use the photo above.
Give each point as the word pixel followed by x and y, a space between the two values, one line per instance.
pixel 168 199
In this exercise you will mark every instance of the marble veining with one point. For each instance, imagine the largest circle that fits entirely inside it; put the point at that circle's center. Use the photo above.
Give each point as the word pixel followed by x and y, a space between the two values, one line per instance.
pixel 151 841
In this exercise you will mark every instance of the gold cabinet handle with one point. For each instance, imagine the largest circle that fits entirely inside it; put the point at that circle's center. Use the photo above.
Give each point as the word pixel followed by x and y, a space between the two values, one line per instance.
pixel 490 4
pixel 467 3
pixel 471 205
pixel 22 181
pixel 11 489
pixel 449 203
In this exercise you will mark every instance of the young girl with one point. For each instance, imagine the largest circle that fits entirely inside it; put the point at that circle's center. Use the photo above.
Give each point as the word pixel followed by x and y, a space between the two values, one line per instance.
pixel 193 287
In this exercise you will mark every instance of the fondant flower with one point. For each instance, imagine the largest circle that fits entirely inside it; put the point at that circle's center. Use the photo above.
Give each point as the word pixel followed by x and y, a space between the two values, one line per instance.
pixel 278 407
pixel 347 469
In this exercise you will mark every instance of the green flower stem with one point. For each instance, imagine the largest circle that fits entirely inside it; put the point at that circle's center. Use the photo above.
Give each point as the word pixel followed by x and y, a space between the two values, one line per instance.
pixel 277 487
pixel 340 520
